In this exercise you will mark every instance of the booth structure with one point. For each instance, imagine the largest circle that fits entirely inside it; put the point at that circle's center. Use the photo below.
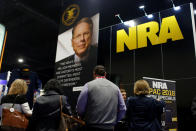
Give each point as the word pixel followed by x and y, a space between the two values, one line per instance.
pixel 162 46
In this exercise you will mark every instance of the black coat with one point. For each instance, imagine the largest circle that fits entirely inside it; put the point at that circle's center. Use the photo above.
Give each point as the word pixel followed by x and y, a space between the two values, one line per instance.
pixel 143 113
pixel 46 112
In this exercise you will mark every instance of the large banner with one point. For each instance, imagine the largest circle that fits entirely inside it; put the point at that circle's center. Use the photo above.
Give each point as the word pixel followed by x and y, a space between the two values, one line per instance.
pixel 77 45
pixel 165 90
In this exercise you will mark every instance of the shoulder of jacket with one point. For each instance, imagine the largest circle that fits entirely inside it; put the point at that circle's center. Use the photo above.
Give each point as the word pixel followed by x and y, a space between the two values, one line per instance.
pixel 39 99
pixel 94 46
pixel 130 98
pixel 91 82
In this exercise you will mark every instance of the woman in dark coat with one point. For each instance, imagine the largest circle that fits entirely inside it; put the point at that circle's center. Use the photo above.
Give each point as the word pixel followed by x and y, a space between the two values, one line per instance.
pixel 143 113
pixel 46 110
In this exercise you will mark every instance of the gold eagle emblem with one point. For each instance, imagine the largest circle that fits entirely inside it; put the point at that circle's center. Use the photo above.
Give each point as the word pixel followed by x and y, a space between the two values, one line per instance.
pixel 70 14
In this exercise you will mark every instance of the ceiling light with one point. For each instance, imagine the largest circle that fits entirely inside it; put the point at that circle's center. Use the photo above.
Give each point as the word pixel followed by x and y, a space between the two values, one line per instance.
pixel 177 8
pixel 130 23
pixel 150 16
pixel 20 60
pixel 141 7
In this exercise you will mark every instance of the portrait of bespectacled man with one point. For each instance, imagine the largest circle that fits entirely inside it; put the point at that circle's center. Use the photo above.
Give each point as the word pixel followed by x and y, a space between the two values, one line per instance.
pixel 82 41
pixel 69 42
pixel 76 55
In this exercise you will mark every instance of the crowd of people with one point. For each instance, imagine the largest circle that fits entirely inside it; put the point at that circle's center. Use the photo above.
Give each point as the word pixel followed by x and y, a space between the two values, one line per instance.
pixel 100 104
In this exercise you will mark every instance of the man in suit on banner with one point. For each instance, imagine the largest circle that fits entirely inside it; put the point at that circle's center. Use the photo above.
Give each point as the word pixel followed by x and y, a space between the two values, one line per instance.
pixel 82 44
pixel 85 50
pixel 79 66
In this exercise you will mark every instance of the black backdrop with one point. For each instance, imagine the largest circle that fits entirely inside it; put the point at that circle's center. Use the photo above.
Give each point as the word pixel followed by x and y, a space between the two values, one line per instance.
pixel 172 61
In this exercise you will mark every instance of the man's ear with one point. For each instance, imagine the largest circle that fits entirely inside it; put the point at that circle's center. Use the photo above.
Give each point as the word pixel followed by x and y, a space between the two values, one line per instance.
pixel 94 75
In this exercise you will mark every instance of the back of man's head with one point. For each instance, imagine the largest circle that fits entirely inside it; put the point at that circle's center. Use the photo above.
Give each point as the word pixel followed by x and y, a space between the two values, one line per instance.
pixel 99 70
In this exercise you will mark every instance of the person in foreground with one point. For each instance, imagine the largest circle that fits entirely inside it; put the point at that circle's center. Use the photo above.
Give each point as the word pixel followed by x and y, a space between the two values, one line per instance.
pixel 100 102
pixel 143 112
pixel 17 96
pixel 46 110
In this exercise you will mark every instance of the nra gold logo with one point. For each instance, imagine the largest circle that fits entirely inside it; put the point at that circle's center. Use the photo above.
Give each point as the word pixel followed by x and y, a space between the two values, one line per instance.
pixel 137 36
pixel 70 14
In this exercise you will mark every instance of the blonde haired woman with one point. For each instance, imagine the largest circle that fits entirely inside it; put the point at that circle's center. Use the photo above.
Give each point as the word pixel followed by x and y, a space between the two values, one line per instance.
pixel 143 113
pixel 17 96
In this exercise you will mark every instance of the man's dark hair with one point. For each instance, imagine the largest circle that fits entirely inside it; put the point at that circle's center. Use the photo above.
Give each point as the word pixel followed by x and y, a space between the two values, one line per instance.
pixel 85 20
pixel 122 90
pixel 99 70
pixel 53 85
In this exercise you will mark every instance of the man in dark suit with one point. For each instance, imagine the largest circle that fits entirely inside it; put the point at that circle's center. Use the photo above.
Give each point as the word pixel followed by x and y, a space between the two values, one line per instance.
pixel 78 67
pixel 85 51
pixel 82 40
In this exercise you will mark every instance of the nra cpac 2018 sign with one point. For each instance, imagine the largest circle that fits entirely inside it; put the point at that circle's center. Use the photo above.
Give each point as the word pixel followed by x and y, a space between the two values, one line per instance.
pixel 165 90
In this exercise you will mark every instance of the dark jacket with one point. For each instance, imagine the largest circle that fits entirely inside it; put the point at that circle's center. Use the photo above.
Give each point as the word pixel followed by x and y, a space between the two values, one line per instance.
pixel 143 113
pixel 46 112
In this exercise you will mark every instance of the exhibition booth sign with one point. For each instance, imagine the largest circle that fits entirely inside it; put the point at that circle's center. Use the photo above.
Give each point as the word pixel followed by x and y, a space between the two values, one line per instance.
pixel 77 46
pixel 161 89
